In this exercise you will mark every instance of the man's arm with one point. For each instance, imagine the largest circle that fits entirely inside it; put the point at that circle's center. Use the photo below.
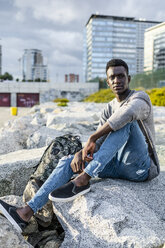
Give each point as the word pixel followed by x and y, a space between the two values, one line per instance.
pixel 88 150
pixel 136 109
pixel 77 164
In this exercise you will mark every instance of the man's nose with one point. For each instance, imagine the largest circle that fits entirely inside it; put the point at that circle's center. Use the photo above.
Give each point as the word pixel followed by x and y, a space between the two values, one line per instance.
pixel 116 80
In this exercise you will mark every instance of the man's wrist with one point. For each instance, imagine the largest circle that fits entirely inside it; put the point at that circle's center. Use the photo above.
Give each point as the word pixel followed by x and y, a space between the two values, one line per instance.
pixel 93 138
pixel 79 153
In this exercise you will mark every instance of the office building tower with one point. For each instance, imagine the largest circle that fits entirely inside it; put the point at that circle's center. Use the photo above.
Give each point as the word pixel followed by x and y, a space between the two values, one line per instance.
pixel 108 37
pixel 154 47
pixel 33 67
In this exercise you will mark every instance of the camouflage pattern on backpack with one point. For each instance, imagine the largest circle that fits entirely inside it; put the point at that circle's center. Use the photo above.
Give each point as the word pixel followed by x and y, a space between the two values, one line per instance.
pixel 61 146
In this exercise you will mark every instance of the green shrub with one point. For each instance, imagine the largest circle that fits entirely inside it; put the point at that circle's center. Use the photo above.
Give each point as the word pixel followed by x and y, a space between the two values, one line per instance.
pixel 103 95
pixel 157 96
pixel 62 104
pixel 65 100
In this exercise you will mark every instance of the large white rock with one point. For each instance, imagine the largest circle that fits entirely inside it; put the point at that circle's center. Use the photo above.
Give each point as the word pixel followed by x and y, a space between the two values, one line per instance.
pixel 47 121
pixel 9 237
pixel 13 135
pixel 42 137
pixel 115 214
pixel 16 168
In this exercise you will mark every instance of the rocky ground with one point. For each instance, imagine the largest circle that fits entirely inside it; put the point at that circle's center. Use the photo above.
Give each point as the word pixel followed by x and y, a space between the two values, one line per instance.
pixel 22 143
pixel 5 113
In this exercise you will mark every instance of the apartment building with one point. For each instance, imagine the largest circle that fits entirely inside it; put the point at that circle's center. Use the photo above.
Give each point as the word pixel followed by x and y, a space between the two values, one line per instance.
pixel 154 47
pixel 107 37
pixel 33 67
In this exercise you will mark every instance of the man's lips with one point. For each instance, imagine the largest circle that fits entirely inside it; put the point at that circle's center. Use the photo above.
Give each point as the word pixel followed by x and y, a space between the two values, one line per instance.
pixel 117 87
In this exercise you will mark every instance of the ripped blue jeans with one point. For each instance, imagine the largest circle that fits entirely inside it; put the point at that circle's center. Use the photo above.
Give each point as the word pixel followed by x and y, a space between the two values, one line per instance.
pixel 123 155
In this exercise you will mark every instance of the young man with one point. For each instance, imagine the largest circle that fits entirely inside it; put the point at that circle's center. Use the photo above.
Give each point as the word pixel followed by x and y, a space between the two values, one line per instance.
pixel 122 147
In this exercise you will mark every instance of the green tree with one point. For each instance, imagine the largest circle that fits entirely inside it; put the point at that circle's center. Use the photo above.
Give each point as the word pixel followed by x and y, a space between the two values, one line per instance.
pixel 102 82
pixel 148 80
pixel 6 76
pixel 37 80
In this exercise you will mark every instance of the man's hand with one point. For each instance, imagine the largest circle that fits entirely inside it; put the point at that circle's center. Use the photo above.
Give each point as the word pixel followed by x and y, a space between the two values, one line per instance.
pixel 88 150
pixel 76 163
pixel 86 154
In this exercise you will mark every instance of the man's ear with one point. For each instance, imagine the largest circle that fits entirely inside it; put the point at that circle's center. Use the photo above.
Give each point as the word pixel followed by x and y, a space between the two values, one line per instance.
pixel 107 81
pixel 129 78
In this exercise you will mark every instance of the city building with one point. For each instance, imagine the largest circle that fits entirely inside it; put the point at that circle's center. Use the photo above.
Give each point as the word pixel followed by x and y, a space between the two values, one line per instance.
pixel 108 37
pixel 33 67
pixel 154 47
pixel 0 60
pixel 71 78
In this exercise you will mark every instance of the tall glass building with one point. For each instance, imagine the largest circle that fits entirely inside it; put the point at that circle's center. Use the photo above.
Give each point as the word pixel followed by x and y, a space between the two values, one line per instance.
pixel 154 47
pixel 108 37
pixel 159 51
pixel 33 67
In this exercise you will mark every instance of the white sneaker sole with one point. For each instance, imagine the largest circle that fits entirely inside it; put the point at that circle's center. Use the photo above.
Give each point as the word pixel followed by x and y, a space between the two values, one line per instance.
pixel 69 198
pixel 8 216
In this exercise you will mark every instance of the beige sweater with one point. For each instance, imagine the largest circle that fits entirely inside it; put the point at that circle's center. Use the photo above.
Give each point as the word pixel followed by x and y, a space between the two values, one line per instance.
pixel 137 106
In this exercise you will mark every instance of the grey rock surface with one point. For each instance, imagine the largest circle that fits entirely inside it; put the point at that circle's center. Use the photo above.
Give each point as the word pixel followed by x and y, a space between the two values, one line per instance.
pixel 117 214
pixel 16 168
pixel 45 238
pixel 47 121
pixel 9 237
pixel 42 137
pixel 14 134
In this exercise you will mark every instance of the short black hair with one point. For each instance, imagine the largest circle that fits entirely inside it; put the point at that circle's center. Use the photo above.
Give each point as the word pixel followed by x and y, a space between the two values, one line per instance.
pixel 117 62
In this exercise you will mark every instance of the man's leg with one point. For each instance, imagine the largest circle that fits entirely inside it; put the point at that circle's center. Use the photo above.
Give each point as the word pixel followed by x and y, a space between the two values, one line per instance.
pixel 132 161
pixel 119 148
pixel 60 175
pixel 20 216
pixel 123 154
pixel 108 150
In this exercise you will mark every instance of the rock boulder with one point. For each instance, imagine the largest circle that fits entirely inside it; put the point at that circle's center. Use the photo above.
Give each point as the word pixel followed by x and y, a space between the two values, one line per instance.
pixel 16 168
pixel 117 214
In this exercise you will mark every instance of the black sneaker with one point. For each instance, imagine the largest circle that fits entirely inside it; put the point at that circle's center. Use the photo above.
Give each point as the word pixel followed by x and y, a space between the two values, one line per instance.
pixel 10 213
pixel 68 192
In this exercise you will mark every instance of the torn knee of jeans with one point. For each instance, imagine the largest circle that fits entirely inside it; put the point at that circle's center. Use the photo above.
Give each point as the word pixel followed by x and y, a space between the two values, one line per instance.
pixel 139 172
pixel 66 157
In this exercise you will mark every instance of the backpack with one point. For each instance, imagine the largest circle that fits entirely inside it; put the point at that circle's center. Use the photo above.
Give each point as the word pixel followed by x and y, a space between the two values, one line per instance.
pixel 61 146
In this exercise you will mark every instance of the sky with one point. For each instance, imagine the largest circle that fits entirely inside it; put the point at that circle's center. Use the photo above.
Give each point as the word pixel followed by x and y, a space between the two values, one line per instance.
pixel 56 27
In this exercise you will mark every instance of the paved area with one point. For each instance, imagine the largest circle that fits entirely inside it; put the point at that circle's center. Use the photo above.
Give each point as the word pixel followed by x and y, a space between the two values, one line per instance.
pixel 5 114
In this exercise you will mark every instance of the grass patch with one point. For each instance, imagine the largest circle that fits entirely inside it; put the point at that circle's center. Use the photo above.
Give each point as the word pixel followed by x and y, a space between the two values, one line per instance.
pixel 62 104
pixel 61 100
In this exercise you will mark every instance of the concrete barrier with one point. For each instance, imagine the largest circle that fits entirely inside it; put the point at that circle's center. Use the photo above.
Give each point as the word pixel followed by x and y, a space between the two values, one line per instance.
pixel 48 91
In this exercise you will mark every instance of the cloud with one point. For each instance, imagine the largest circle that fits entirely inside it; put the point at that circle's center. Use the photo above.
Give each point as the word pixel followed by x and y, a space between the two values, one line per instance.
pixel 56 27
pixel 57 11
pixel 20 16
pixel 62 39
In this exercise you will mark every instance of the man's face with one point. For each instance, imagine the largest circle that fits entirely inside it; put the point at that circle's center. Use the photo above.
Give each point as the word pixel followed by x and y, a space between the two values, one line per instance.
pixel 118 80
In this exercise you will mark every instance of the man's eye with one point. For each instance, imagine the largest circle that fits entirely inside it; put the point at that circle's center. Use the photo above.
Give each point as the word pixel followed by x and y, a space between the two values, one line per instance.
pixel 121 76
